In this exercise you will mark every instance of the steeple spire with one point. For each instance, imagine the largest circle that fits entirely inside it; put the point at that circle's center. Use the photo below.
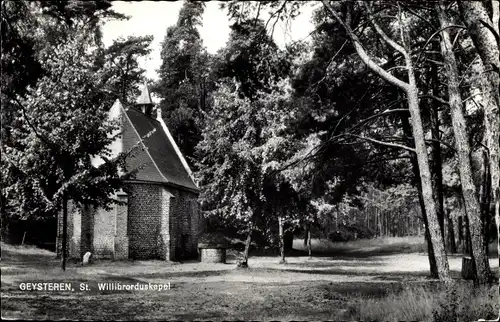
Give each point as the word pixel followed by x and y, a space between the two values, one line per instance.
pixel 144 102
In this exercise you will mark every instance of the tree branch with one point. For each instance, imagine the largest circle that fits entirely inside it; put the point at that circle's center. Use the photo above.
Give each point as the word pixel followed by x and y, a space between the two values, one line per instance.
pixel 384 36
pixel 363 122
pixel 257 15
pixel 276 13
pixel 413 12
pixel 388 159
pixel 441 142
pixel 432 36
pixel 437 62
pixel 394 145
pixel 25 116
pixel 362 53
pixel 439 99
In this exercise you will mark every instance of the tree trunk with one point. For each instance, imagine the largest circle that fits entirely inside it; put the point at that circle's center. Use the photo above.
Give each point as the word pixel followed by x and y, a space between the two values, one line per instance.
pixel 467 241
pixel 244 262
pixel 309 242
pixel 484 197
pixel 425 177
pixel 24 236
pixel 452 245
pixel 64 246
pixel 476 18
pixel 282 241
pixel 288 235
pixel 306 234
pixel 437 166
pixel 413 160
pixel 460 230
pixel 379 222
pixel 472 206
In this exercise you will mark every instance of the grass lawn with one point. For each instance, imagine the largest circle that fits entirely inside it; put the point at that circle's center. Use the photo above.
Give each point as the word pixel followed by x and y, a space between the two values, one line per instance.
pixel 383 279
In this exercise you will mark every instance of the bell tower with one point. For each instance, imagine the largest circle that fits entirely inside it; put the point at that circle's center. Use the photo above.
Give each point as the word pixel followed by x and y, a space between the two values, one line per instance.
pixel 144 102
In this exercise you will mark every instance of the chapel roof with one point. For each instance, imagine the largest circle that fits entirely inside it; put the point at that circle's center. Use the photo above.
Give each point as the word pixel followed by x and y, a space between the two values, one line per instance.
pixel 156 156
pixel 166 166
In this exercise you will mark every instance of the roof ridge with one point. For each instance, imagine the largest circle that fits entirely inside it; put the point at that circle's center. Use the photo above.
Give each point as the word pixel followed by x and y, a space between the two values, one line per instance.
pixel 151 117
pixel 177 151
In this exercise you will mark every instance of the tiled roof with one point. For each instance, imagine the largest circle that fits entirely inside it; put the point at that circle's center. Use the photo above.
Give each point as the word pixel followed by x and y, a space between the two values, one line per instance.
pixel 159 162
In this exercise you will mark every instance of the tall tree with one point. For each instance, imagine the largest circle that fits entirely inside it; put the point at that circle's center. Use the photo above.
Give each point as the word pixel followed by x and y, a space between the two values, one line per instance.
pixel 241 140
pixel 472 206
pixel 121 60
pixel 57 123
pixel 184 84
pixel 485 34
pixel 235 154
pixel 411 91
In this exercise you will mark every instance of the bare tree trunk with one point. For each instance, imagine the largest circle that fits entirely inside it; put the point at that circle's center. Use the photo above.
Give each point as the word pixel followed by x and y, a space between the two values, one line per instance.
pixel 24 236
pixel 472 206
pixel 425 178
pixel 309 242
pixel 64 246
pixel 486 41
pixel 382 223
pixel 484 197
pixel 468 243
pixel 244 262
pixel 437 166
pixel 282 241
pixel 379 220
pixel 306 234
pixel 460 231
pixel 452 245
pixel 413 160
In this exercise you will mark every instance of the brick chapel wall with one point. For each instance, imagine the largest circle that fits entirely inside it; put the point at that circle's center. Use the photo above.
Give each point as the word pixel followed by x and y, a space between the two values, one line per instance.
pixel 144 220
pixel 163 222
pixel 165 241
pixel 104 233
pixel 184 224
pixel 99 231
pixel 79 231
pixel 87 231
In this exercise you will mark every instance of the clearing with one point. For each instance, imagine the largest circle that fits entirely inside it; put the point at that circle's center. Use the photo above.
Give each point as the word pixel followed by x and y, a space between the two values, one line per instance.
pixel 332 285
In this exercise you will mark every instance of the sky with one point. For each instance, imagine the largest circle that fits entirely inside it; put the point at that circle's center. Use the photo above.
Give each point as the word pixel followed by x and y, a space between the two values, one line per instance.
pixel 154 17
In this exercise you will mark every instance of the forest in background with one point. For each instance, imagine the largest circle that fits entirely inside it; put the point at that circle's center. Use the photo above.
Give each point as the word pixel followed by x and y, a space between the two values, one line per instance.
pixel 385 121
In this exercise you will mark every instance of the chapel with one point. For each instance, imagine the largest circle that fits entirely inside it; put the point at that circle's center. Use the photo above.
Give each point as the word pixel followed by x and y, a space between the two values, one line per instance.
pixel 158 216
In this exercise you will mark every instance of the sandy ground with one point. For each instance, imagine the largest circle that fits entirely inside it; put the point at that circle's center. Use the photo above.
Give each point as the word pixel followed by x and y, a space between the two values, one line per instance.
pixel 323 287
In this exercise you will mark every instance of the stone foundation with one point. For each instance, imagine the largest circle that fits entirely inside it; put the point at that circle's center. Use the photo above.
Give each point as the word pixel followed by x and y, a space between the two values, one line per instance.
pixel 212 254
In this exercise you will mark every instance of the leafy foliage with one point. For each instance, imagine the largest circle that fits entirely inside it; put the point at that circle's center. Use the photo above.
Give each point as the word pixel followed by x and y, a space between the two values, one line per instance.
pixel 56 122
pixel 123 74
pixel 184 83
